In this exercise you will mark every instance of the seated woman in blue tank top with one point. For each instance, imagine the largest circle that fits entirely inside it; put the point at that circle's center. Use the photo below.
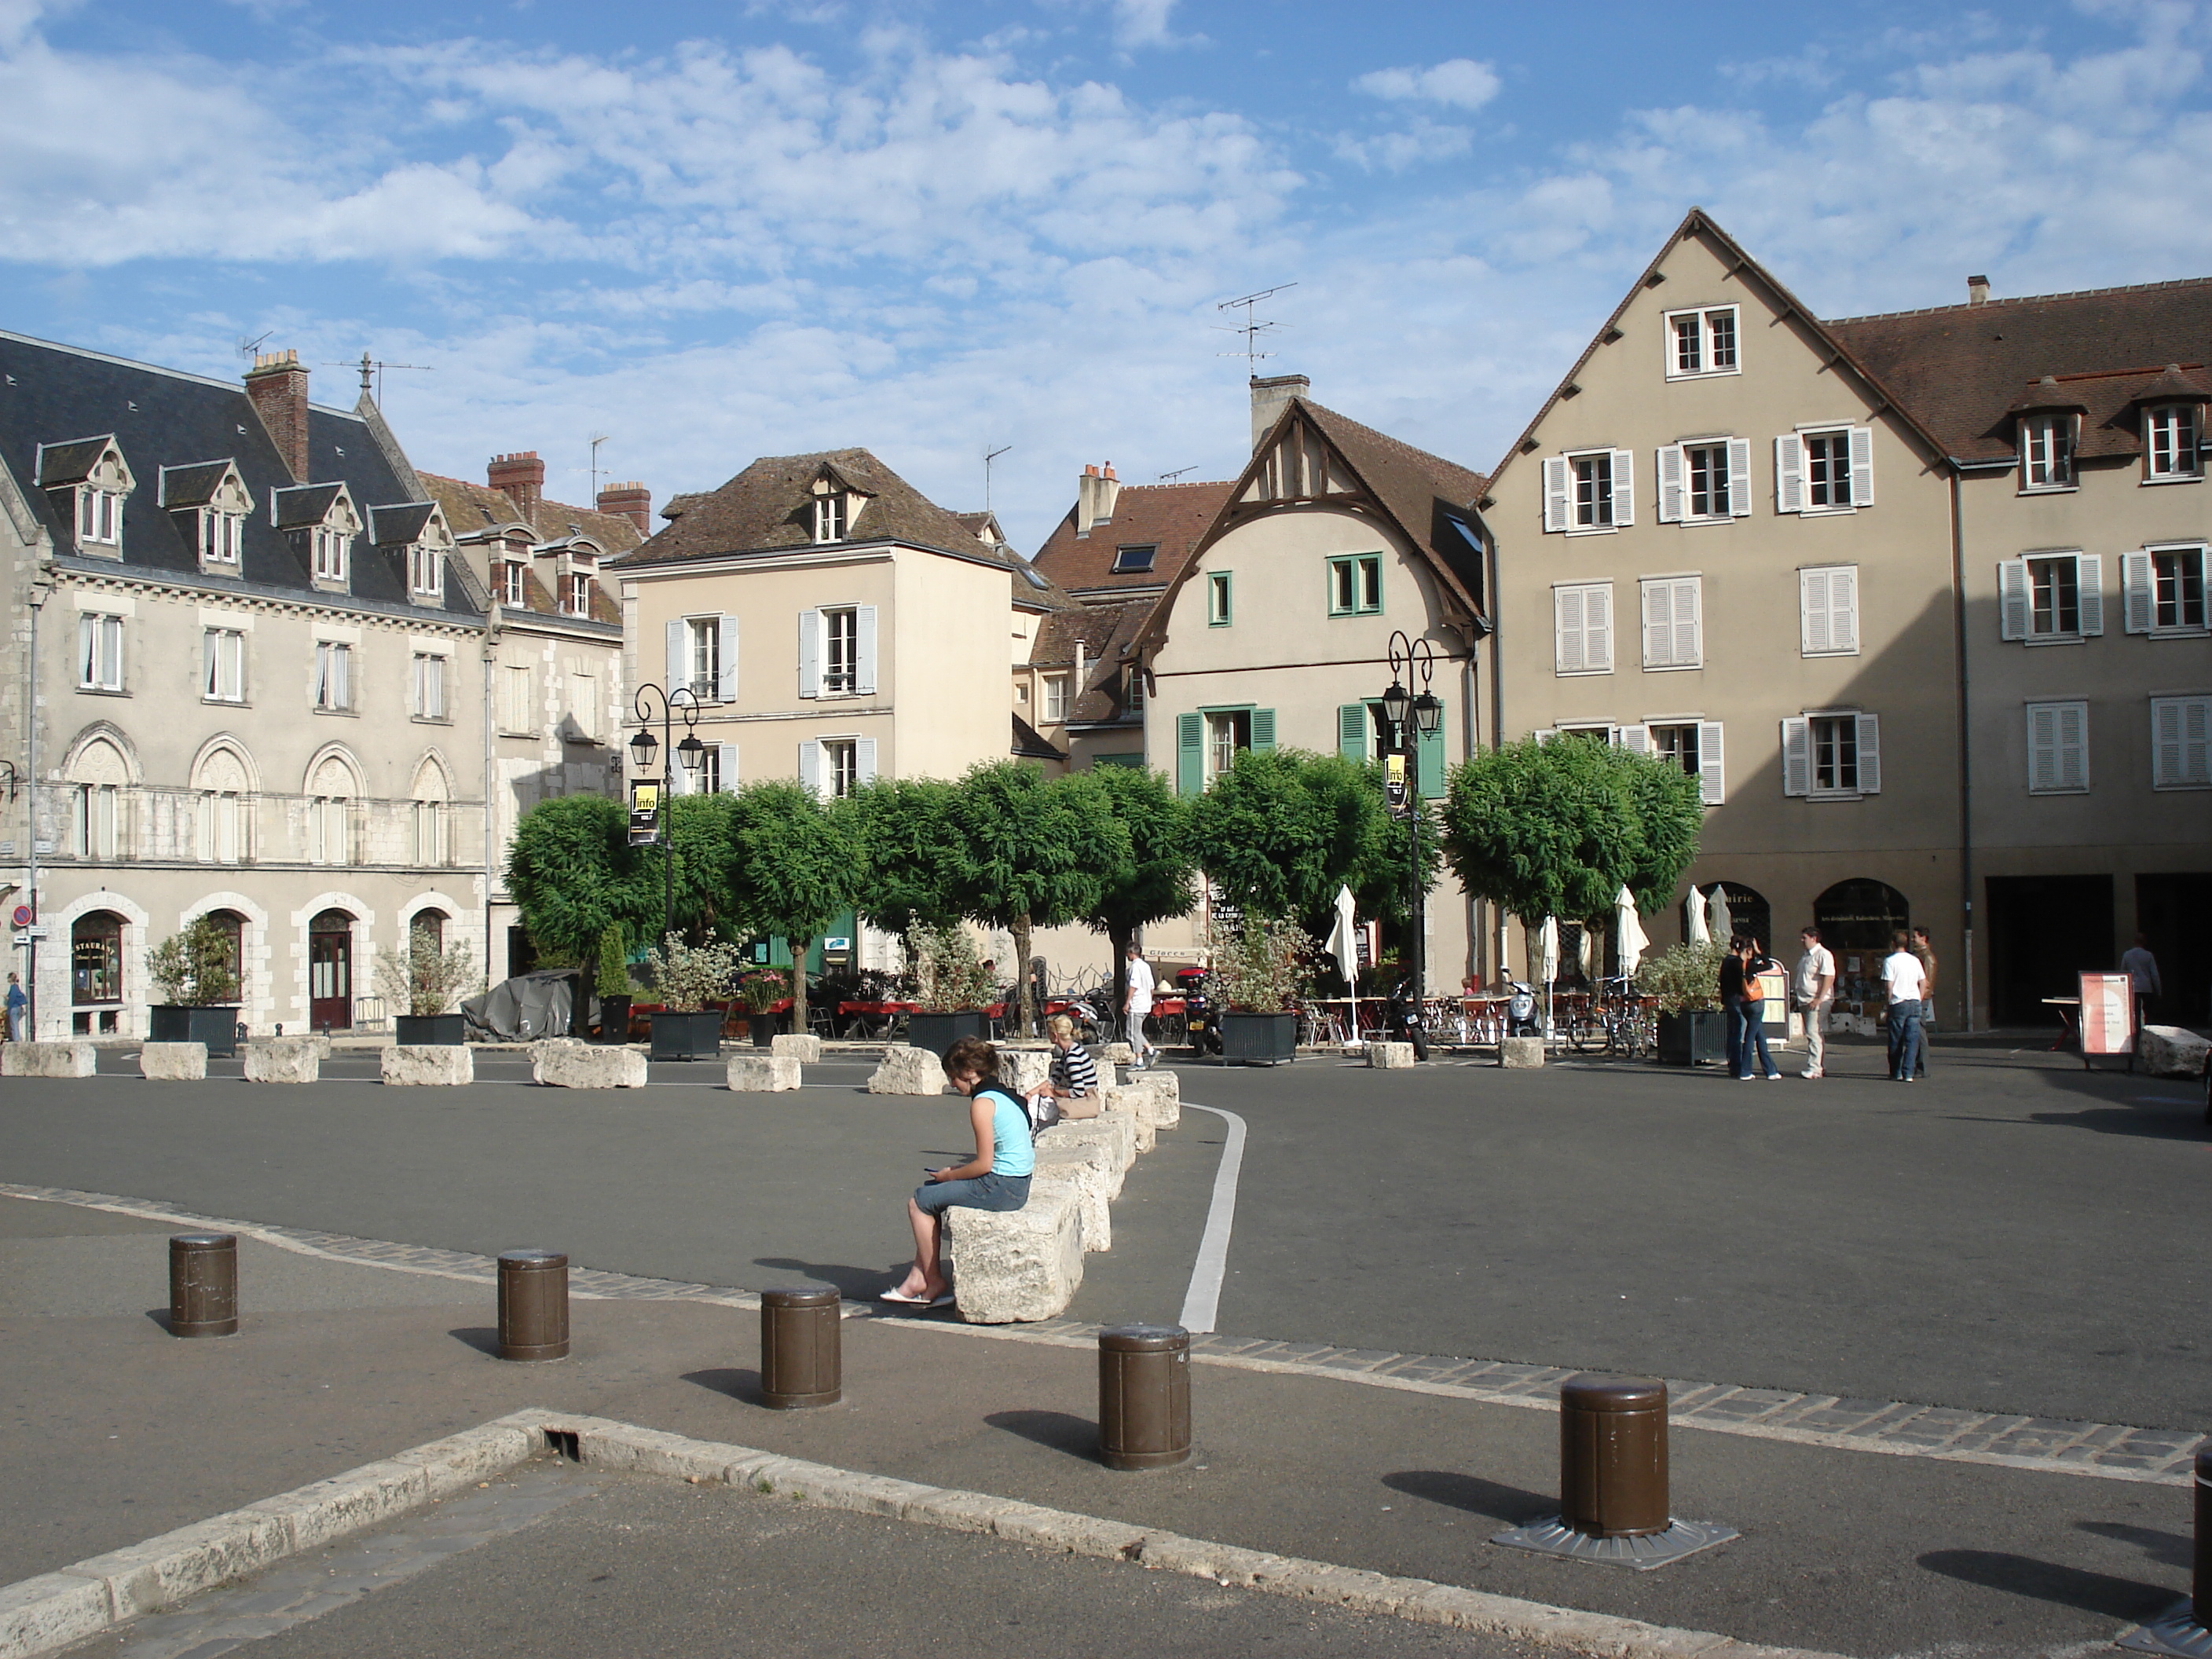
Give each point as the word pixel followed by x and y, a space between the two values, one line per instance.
pixel 996 1178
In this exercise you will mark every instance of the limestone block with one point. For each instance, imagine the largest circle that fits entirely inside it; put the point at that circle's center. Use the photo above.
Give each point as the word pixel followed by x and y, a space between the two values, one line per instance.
pixel 173 1062
pixel 1117 1053
pixel 805 1048
pixel 1390 1056
pixel 1010 1265
pixel 907 1072
pixel 1521 1053
pixel 1134 1103
pixel 763 1073
pixel 1085 1170
pixel 1114 1132
pixel 1025 1070
pixel 562 1064
pixel 2169 1051
pixel 439 1065
pixel 47 1060
pixel 284 1059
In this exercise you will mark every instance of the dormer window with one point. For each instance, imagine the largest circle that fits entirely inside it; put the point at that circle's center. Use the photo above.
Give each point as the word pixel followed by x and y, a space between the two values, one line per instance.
pixel 86 480
pixel 221 534
pixel 2046 452
pixel 830 518
pixel 329 551
pixel 99 515
pixel 208 502
pixel 511 589
pixel 578 596
pixel 425 572
pixel 2172 439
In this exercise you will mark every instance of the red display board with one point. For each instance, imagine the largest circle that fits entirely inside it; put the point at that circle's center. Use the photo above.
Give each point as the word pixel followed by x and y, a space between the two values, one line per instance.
pixel 2108 1014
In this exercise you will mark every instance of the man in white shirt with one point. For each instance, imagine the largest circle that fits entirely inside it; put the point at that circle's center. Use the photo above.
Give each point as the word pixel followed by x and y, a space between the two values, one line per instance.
pixel 1813 989
pixel 1135 1007
pixel 1903 979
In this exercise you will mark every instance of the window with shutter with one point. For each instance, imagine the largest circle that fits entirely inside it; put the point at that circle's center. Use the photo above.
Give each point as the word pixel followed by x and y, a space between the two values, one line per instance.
pixel 1636 739
pixel 1869 747
pixel 1789 474
pixel 1582 629
pixel 810 653
pixel 1600 495
pixel 1670 483
pixel 1428 762
pixel 2013 607
pixel 2172 583
pixel 1263 728
pixel 725 677
pixel 1739 475
pixel 1827 611
pixel 810 765
pixel 1862 466
pixel 676 654
pixel 1796 756
pixel 1190 754
pixel 1555 492
pixel 2181 743
pixel 864 761
pixel 1624 488
pixel 2057 748
pixel 1351 739
pixel 2089 580
pixel 1672 633
pixel 1712 763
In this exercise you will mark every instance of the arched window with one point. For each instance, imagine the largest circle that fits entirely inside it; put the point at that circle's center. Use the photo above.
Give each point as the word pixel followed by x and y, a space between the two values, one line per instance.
pixel 96 958
pixel 98 776
pixel 1858 916
pixel 333 814
pixel 233 928
pixel 429 926
pixel 432 816
pixel 1749 913
pixel 225 830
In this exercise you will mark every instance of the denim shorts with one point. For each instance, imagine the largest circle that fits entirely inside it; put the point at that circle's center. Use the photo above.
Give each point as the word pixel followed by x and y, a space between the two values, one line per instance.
pixel 992 1191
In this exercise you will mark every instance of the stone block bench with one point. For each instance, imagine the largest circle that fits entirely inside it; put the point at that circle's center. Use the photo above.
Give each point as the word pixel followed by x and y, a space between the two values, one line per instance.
pixel 804 1047
pixel 1018 1266
pixel 1086 1169
pixel 1521 1053
pixel 909 1071
pixel 2170 1051
pixel 769 1073
pixel 565 1063
pixel 284 1059
pixel 1390 1056
pixel 173 1062
pixel 48 1060
pixel 1113 1134
pixel 427 1065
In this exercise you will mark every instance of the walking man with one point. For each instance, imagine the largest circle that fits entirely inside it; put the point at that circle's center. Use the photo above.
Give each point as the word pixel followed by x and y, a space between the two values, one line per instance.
pixel 1815 990
pixel 1135 1008
pixel 1901 979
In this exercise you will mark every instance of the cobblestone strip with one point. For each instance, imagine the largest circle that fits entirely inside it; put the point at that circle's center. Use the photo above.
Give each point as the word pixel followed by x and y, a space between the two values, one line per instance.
pixel 1898 1428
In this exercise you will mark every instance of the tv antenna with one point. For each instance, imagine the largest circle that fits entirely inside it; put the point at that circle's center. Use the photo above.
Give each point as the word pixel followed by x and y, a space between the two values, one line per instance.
pixel 1169 478
pixel 371 374
pixel 597 439
pixel 1253 326
pixel 990 456
pixel 247 346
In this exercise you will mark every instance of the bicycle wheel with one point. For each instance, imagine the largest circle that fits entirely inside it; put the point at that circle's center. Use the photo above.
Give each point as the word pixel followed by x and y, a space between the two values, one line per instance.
pixel 1583 1033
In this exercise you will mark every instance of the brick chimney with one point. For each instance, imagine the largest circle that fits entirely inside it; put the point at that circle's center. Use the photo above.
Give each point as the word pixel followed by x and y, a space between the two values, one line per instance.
pixel 521 475
pixel 276 385
pixel 631 501
pixel 1269 395
pixel 1978 290
pixel 1096 492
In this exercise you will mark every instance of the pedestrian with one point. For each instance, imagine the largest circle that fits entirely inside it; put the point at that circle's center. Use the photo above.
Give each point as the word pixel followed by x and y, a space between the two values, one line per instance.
pixel 16 1004
pixel 2135 962
pixel 1135 1007
pixel 1923 951
pixel 1744 998
pixel 1074 1074
pixel 996 1178
pixel 1814 990
pixel 1902 978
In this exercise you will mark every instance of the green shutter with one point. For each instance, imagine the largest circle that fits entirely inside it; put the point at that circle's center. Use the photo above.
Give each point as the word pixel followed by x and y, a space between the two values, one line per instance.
pixel 1190 754
pixel 1263 728
pixel 1352 731
pixel 1430 774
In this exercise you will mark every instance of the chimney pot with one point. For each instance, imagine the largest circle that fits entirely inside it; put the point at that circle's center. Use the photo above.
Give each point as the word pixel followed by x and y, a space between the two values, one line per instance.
pixel 631 501
pixel 276 386
pixel 1978 290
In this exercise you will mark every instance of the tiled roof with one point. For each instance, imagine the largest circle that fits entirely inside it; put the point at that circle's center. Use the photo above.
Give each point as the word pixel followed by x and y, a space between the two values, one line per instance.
pixel 1171 517
pixel 470 508
pixel 1963 370
pixel 1106 631
pixel 1030 744
pixel 1416 487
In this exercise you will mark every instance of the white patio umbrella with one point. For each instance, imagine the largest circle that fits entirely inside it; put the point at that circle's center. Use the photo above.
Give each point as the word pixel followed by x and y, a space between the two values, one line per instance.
pixel 1717 917
pixel 1547 947
pixel 1586 952
pixel 1693 919
pixel 1344 945
pixel 1628 928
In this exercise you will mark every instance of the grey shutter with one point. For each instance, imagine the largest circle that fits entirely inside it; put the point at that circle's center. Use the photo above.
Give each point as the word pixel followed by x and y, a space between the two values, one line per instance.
pixel 1555 492
pixel 1843 607
pixel 1658 617
pixel 2013 614
pixel 1712 763
pixel 2042 747
pixel 2074 745
pixel 1789 474
pixel 2089 572
pixel 810 655
pixel 1567 630
pixel 1739 460
pixel 1624 487
pixel 1597 628
pixel 1689 645
pixel 2138 610
pixel 726 760
pixel 864 761
pixel 1637 740
pixel 2167 767
pixel 1352 731
pixel 1862 466
pixel 1670 483
pixel 864 640
pixel 810 765
pixel 1796 756
pixel 677 658
pixel 1869 755
pixel 1815 629
pixel 726 659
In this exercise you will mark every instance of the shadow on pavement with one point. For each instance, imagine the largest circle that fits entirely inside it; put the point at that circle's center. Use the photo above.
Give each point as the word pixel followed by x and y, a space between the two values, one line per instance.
pixel 1476 1497
pixel 854 1284
pixel 2068 1587
pixel 2156 1123
pixel 1054 1431
pixel 735 1384
pixel 484 1339
pixel 2171 1549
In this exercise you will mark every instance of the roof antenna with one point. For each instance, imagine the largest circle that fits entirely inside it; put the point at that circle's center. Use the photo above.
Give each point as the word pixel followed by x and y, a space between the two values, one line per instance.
pixel 246 347
pixel 1252 328
pixel 597 439
pixel 371 374
pixel 990 456
pixel 1169 478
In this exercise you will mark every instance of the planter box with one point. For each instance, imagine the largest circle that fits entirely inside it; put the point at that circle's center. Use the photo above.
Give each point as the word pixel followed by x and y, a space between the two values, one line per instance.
pixel 687 1035
pixel 764 1029
pixel 938 1032
pixel 428 1031
pixel 1696 1038
pixel 1258 1039
pixel 614 1019
pixel 215 1026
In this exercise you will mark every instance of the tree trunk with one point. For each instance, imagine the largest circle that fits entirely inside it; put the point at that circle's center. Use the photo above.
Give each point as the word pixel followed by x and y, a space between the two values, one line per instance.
pixel 1119 939
pixel 805 948
pixel 1026 991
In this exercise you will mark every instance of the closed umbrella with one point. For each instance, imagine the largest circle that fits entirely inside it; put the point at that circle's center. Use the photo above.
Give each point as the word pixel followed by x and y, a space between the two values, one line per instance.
pixel 1548 945
pixel 1586 948
pixel 1693 919
pixel 1628 928
pixel 1717 918
pixel 1344 945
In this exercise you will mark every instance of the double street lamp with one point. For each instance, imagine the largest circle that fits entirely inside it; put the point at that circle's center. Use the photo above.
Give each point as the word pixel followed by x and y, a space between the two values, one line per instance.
pixel 1408 717
pixel 644 747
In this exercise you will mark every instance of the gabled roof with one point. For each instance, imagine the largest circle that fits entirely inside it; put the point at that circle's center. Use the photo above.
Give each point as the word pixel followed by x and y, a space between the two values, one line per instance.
pixel 473 509
pixel 1107 633
pixel 1170 517
pixel 194 484
pixel 402 526
pixel 1962 369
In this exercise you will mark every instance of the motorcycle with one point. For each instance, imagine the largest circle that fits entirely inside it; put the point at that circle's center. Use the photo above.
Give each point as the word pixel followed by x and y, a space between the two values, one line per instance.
pixel 1403 1019
pixel 1200 1028
pixel 1520 1011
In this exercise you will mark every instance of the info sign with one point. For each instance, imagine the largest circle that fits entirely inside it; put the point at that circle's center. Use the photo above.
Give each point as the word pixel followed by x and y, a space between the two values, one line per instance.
pixel 1394 780
pixel 644 812
pixel 2108 1014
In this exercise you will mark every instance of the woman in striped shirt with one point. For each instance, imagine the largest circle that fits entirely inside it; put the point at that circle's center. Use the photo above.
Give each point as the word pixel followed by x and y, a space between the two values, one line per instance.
pixel 1074 1074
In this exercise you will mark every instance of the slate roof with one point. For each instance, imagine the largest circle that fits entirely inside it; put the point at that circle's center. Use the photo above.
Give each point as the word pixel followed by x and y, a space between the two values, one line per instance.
pixel 1172 517
pixel 1030 744
pixel 52 393
pixel 72 461
pixel 399 527
pixel 1964 370
pixel 192 486
pixel 471 507
pixel 298 506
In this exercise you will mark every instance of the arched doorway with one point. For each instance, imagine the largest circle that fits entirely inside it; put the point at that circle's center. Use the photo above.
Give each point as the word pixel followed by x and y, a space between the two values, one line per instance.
pixel 330 971
pixel 1856 919
pixel 1748 913
pixel 96 973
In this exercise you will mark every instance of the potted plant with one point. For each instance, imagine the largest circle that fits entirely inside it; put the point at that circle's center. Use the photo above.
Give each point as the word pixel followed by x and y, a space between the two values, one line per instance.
pixel 760 993
pixel 421 985
pixel 950 985
pixel 688 978
pixel 199 989
pixel 611 979
pixel 1686 980
pixel 1258 972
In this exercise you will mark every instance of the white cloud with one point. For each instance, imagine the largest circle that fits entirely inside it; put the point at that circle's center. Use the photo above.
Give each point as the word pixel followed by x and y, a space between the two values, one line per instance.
pixel 1460 82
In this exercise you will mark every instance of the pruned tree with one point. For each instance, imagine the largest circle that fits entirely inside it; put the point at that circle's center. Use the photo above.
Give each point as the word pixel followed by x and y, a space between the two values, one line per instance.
pixel 573 874
pixel 905 852
pixel 1156 881
pixel 794 869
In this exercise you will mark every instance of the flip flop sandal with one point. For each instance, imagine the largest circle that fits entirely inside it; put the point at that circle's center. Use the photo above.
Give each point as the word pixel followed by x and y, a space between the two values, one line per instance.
pixel 892 1295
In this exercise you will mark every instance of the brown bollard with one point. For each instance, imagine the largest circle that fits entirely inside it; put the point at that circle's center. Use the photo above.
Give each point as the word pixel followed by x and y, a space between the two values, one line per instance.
pixel 534 1305
pixel 1144 1396
pixel 802 1348
pixel 204 1284
pixel 1612 1456
pixel 2201 1585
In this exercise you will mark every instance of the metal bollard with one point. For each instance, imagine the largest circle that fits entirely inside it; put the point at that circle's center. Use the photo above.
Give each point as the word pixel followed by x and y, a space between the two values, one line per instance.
pixel 1144 1396
pixel 1612 1456
pixel 2184 1630
pixel 534 1305
pixel 2201 1583
pixel 802 1348
pixel 204 1284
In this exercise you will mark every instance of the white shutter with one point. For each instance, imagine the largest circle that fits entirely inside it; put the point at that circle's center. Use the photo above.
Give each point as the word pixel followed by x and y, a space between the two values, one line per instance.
pixel 810 655
pixel 1862 466
pixel 1555 492
pixel 1637 740
pixel 2181 734
pixel 2074 745
pixel 1789 474
pixel 2089 572
pixel 1597 628
pixel 2042 747
pixel 1869 755
pixel 1712 763
pixel 1815 625
pixel 1624 487
pixel 1658 621
pixel 810 765
pixel 1670 483
pixel 677 657
pixel 864 761
pixel 1567 630
pixel 1689 645
pixel 2013 612
pixel 2166 769
pixel 1547 735
pixel 725 654
pixel 1796 756
pixel 2138 610
pixel 1843 607
pixel 726 761
pixel 864 635
pixel 1738 458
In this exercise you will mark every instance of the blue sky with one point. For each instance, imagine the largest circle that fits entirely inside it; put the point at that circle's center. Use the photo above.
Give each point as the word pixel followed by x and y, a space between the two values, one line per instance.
pixel 931 229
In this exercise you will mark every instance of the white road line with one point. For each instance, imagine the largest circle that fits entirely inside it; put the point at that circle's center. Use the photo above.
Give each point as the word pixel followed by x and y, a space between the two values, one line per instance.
pixel 1202 1303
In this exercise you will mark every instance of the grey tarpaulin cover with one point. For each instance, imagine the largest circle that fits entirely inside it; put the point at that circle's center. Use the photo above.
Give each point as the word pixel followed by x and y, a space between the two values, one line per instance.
pixel 524 1008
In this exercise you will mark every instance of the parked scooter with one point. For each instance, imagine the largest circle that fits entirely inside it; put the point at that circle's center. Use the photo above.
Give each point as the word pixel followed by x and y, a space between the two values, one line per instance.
pixel 1403 1019
pixel 1520 1011
pixel 1201 1028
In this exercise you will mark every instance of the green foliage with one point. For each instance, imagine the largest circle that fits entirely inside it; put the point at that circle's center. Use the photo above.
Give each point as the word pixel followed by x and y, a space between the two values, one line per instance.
pixel 1259 965
pixel 1028 848
pixel 1557 829
pixel 423 979
pixel 948 975
pixel 573 874
pixel 1282 829
pixel 612 976
pixel 687 977
pixel 1154 882
pixel 907 858
pixel 1684 978
pixel 193 969
pixel 762 990
pixel 794 862
pixel 701 831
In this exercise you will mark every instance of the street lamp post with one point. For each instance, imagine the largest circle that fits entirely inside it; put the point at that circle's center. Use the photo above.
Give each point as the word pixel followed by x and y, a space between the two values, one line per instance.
pixel 1410 716
pixel 693 753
